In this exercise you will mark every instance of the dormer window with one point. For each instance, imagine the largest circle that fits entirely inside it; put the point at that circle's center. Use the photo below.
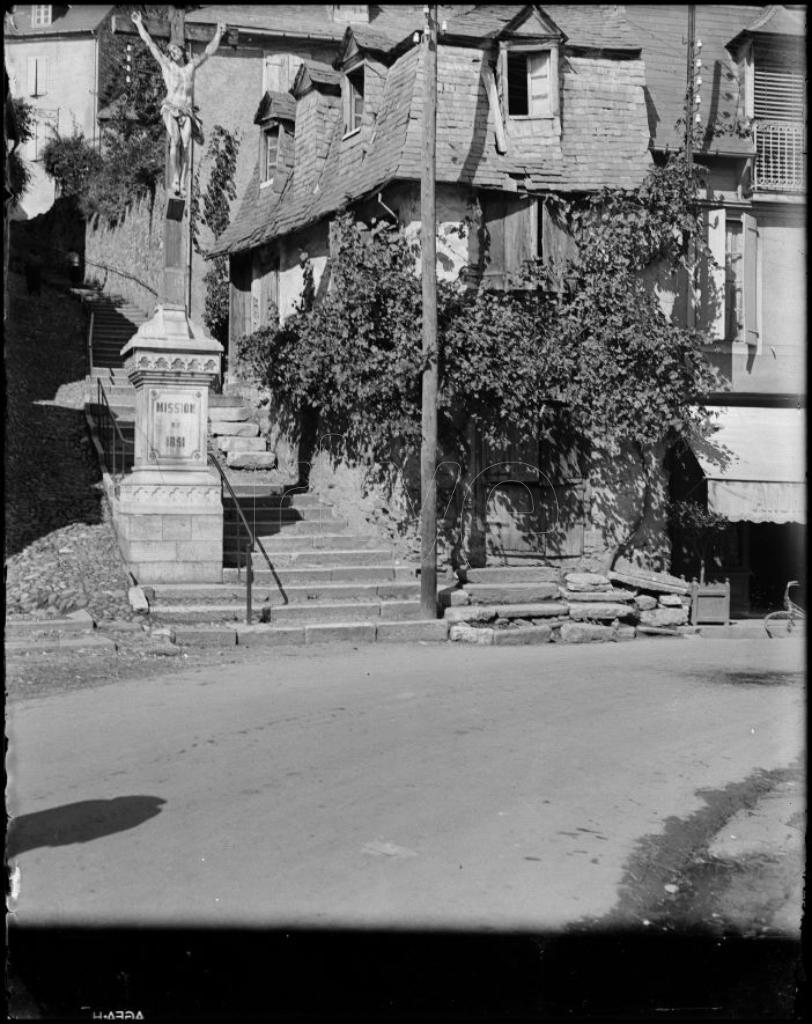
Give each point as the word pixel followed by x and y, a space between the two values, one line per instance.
pixel 270 153
pixel 528 84
pixel 353 96
pixel 41 15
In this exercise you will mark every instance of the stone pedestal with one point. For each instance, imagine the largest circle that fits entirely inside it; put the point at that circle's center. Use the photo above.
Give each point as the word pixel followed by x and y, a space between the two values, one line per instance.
pixel 169 511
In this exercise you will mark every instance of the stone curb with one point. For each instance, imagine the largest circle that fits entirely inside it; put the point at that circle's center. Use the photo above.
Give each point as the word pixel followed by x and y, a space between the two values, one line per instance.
pixel 42 644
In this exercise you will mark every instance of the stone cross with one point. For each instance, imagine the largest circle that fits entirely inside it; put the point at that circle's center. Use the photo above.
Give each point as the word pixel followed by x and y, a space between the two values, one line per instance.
pixel 168 511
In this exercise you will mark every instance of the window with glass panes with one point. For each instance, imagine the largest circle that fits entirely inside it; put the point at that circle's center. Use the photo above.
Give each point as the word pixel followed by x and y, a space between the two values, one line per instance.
pixel 40 15
pixel 270 152
pixel 734 276
pixel 353 100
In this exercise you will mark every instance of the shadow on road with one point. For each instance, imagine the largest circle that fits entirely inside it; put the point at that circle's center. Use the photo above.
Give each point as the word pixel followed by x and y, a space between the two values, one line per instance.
pixel 80 822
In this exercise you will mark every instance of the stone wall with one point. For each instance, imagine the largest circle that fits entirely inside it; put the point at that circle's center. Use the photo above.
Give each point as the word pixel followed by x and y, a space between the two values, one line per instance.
pixel 127 258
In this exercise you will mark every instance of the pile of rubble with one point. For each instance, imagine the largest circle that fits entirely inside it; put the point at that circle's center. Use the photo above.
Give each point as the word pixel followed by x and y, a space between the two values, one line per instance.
pixel 542 605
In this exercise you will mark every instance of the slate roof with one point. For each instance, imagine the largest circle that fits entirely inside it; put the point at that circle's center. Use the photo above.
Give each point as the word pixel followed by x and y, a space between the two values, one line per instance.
pixel 305 20
pixel 662 29
pixel 279 105
pixel 775 21
pixel 605 142
pixel 77 18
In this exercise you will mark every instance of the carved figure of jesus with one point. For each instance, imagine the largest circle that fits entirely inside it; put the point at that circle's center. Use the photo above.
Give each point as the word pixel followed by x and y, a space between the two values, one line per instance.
pixel 179 116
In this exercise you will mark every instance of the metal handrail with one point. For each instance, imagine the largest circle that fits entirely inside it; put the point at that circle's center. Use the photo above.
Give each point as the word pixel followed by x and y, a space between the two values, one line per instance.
pixel 90 341
pixel 255 542
pixel 115 432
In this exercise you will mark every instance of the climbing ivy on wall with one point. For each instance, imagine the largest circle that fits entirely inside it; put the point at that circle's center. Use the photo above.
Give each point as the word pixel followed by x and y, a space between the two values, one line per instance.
pixel 603 350
pixel 212 208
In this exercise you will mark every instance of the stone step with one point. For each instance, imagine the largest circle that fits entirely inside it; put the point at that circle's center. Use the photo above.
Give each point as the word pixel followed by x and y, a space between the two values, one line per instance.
pixel 273 517
pixel 511 574
pixel 262 497
pixel 79 621
pixel 289 528
pixel 291 614
pixel 511 593
pixel 265 635
pixel 305 541
pixel 485 612
pixel 322 557
pixel 321 575
pixel 166 594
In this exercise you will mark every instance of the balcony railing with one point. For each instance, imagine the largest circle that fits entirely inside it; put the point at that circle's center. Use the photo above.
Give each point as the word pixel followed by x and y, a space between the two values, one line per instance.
pixel 780 156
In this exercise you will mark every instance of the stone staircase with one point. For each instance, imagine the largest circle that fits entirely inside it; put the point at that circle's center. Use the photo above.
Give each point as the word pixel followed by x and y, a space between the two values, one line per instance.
pixel 114 323
pixel 324 582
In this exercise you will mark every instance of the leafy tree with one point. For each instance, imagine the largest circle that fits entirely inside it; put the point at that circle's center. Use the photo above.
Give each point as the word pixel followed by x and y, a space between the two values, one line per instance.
pixel 220 192
pixel 603 352
pixel 698 528
pixel 19 173
pixel 71 162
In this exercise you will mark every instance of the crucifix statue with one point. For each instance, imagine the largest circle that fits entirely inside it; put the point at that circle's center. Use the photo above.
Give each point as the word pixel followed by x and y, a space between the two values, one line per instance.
pixel 179 114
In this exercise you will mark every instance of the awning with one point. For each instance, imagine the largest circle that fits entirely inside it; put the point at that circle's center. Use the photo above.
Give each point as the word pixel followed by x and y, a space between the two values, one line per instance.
pixel 755 464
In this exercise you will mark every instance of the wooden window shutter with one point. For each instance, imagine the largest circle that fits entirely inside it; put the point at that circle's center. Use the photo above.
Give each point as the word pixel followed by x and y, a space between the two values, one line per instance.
pixel 493 272
pixel 713 277
pixel 518 238
pixel 32 76
pixel 751 298
pixel 538 84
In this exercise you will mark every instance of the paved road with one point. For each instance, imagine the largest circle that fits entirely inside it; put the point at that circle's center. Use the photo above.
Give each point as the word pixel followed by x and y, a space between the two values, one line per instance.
pixel 414 786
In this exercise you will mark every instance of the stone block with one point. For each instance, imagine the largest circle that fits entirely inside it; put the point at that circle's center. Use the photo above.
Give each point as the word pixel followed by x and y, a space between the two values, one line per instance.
pixel 523 635
pixel 241 444
pixel 206 526
pixel 585 633
pixel 654 582
pixel 233 429
pixel 261 635
pixel 192 550
pixel 585 581
pixel 358 632
pixel 511 574
pixel 664 617
pixel 173 571
pixel 670 601
pixel 603 610
pixel 148 550
pixel 596 595
pixel 251 460
pixel 140 527
pixel 625 633
pixel 230 413
pixel 475 613
pixel 138 599
pixel 645 602
pixel 463 633
pixel 511 593
pixel 459 598
pixel 177 527
pixel 420 629
pixel 532 610
pixel 401 610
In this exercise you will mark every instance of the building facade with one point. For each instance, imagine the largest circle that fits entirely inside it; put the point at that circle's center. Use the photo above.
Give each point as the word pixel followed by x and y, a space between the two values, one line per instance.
pixel 53 59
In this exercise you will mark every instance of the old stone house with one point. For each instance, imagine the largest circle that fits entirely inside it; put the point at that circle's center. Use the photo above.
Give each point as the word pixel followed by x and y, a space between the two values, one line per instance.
pixel 752 111
pixel 54 56
pixel 566 99
pixel 530 102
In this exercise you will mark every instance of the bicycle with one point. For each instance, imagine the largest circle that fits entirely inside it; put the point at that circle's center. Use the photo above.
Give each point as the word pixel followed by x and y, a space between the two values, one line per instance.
pixel 790 618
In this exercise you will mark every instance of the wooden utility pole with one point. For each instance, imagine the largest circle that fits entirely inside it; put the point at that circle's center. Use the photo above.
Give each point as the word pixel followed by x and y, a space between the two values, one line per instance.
pixel 428 228
pixel 690 311
pixel 689 113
